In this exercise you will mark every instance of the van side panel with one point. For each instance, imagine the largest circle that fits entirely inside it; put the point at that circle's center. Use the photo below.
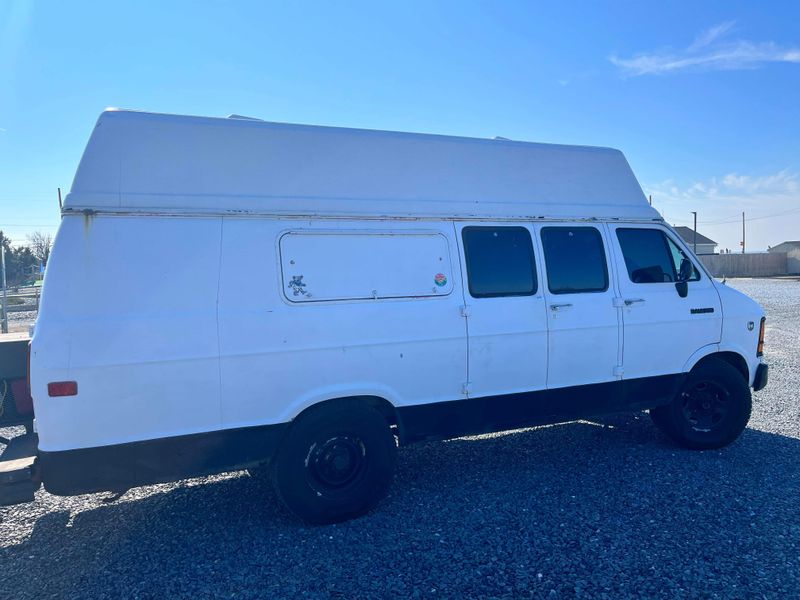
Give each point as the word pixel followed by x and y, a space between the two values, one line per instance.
pixel 279 357
pixel 129 313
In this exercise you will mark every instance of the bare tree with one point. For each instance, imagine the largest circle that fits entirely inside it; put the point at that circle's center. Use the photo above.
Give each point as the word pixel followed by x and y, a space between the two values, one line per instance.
pixel 40 245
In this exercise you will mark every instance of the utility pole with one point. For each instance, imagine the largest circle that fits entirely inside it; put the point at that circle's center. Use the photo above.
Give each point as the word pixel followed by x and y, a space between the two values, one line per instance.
pixel 694 244
pixel 4 328
pixel 742 232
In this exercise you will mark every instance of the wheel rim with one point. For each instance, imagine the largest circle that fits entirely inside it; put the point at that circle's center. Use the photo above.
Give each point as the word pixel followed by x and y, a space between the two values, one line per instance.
pixel 705 405
pixel 336 463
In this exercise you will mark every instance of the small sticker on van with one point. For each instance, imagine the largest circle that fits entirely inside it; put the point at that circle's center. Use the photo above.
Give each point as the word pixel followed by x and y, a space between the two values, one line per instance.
pixel 440 279
pixel 297 285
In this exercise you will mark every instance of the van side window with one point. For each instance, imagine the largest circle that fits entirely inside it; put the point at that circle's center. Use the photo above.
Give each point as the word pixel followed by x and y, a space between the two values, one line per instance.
pixel 647 256
pixel 650 256
pixel 499 261
pixel 575 259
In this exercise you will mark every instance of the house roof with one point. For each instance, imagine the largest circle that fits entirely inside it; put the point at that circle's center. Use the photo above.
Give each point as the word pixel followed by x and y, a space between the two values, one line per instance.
pixel 687 233
pixel 144 162
pixel 792 244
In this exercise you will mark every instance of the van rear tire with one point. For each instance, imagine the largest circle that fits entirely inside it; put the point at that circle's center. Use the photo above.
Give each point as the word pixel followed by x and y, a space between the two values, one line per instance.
pixel 336 462
pixel 710 411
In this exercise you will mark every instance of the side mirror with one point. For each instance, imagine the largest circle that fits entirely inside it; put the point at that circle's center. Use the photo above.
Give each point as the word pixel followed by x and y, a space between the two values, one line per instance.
pixel 684 275
pixel 686 270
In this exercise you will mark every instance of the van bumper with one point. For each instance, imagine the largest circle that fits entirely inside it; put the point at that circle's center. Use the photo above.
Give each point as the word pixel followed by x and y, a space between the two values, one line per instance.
pixel 761 378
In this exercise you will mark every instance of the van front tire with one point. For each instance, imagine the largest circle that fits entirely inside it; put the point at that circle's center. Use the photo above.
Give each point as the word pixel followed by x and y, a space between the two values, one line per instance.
pixel 336 462
pixel 711 410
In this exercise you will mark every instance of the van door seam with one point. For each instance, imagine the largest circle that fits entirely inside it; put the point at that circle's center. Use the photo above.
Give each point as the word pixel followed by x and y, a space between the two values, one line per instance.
pixel 616 275
pixel 541 279
pixel 463 298
pixel 216 318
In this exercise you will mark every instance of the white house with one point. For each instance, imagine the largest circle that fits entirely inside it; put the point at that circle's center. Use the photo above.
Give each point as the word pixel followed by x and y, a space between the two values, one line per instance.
pixel 792 250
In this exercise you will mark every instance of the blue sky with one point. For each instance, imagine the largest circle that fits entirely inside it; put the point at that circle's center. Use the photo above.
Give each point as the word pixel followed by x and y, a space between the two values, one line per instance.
pixel 703 98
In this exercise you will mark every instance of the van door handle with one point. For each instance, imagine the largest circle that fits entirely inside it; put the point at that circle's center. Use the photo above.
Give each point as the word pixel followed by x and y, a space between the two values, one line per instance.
pixel 558 307
pixel 632 301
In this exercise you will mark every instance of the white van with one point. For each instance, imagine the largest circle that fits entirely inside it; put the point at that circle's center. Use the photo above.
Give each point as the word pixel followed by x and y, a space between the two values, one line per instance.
pixel 230 293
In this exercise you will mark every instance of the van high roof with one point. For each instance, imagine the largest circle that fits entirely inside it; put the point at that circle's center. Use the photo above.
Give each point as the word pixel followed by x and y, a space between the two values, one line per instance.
pixel 146 162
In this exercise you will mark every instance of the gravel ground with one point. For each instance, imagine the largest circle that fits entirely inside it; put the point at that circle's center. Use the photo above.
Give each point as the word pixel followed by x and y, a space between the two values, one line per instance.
pixel 21 320
pixel 589 509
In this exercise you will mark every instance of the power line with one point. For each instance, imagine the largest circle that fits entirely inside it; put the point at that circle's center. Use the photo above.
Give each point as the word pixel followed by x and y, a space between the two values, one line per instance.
pixel 723 220
pixel 728 221
pixel 731 220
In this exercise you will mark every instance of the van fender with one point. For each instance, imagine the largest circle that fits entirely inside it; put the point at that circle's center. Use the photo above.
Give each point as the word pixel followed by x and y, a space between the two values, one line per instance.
pixel 335 392
pixel 732 348
pixel 748 356
pixel 700 354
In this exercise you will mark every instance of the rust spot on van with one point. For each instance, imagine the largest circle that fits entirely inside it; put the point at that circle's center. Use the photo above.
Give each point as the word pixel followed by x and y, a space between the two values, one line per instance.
pixel 88 216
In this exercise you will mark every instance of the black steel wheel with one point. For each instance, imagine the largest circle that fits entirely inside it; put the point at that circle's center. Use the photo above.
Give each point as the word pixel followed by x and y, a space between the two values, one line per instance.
pixel 336 462
pixel 711 410
pixel 705 405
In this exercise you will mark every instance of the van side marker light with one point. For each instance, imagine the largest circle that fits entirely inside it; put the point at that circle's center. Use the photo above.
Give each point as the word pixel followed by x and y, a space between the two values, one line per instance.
pixel 761 331
pixel 62 388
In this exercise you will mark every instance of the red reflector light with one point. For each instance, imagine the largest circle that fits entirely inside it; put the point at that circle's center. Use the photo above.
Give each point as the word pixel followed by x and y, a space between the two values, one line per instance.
pixel 62 388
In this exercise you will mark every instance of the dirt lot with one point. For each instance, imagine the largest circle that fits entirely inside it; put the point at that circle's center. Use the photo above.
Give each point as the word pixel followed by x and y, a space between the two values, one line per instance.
pixel 590 509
